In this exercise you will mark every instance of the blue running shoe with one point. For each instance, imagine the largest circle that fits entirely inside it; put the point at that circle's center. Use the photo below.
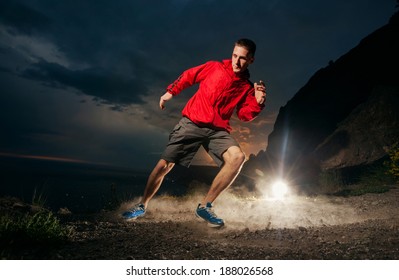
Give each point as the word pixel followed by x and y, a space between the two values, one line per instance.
pixel 206 213
pixel 136 211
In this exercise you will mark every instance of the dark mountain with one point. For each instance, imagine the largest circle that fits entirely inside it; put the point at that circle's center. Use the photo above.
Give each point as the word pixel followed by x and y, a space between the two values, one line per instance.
pixel 366 134
pixel 346 115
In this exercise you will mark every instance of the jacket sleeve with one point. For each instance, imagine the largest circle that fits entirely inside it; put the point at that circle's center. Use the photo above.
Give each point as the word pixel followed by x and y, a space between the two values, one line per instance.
pixel 188 78
pixel 248 109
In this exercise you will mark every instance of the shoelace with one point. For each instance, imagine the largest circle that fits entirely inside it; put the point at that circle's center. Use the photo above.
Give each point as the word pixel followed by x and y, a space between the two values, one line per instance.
pixel 210 212
pixel 137 207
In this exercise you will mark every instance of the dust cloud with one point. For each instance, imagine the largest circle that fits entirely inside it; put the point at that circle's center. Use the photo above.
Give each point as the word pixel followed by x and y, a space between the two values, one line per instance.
pixel 243 210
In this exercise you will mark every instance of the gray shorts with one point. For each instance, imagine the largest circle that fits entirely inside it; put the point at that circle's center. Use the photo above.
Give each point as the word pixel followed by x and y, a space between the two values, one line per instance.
pixel 186 138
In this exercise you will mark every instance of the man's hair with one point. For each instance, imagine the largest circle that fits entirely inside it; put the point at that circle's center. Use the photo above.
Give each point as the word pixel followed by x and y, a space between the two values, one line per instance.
pixel 248 44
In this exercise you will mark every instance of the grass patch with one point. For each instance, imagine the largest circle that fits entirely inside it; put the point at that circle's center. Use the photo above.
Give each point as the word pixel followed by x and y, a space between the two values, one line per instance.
pixel 373 178
pixel 331 181
pixel 38 198
pixel 42 227
pixel 357 190
pixel 377 179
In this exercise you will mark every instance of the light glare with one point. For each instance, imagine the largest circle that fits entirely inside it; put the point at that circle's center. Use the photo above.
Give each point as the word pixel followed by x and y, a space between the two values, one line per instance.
pixel 280 189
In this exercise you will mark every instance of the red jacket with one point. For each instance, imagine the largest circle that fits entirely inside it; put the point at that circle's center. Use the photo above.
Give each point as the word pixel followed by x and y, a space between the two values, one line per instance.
pixel 220 91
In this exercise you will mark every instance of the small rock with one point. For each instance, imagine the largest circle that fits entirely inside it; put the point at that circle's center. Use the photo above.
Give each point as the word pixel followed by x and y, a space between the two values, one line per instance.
pixel 302 229
pixel 21 206
pixel 64 211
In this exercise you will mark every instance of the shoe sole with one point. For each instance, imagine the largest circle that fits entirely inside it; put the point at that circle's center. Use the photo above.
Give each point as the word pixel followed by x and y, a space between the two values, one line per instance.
pixel 131 218
pixel 208 223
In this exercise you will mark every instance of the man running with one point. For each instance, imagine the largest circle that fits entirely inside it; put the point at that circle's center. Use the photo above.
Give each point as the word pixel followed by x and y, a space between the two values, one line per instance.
pixel 223 87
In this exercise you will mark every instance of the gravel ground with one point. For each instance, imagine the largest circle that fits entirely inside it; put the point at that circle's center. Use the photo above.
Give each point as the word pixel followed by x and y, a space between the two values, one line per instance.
pixel 298 228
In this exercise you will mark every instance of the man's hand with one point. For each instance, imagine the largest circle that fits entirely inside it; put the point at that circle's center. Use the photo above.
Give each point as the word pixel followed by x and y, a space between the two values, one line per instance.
pixel 166 97
pixel 260 92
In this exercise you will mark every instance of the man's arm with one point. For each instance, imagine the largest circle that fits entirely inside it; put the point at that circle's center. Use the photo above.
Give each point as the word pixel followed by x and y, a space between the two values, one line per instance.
pixel 186 79
pixel 260 92
pixel 253 104
pixel 164 98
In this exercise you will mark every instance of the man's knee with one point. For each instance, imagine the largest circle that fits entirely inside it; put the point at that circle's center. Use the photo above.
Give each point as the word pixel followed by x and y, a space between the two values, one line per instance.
pixel 234 156
pixel 164 167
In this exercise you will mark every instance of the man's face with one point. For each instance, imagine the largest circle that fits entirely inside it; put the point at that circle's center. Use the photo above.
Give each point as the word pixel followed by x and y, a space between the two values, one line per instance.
pixel 241 59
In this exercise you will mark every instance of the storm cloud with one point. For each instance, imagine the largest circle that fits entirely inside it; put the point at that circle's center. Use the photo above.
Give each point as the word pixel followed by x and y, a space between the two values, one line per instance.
pixel 83 78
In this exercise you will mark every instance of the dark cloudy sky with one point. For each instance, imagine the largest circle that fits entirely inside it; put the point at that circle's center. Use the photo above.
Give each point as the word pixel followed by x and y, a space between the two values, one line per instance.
pixel 81 80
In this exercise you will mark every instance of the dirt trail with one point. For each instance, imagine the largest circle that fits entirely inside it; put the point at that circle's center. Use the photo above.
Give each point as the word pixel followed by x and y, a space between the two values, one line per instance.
pixel 322 227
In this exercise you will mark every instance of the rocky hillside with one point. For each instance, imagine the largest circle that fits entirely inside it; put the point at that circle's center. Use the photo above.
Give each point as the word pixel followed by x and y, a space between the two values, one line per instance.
pixel 347 113
pixel 366 134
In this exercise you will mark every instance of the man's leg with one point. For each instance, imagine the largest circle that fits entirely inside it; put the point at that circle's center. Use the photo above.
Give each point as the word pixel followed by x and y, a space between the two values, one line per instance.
pixel 234 159
pixel 155 180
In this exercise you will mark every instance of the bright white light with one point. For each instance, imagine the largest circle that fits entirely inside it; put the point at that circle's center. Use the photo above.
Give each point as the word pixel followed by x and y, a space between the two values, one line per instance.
pixel 280 189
